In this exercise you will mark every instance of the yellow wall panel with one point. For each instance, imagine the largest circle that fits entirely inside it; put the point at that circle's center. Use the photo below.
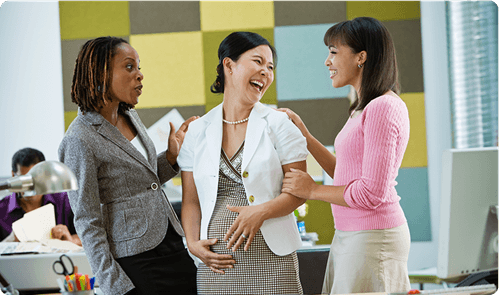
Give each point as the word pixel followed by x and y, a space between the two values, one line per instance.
pixel 384 10
pixel 172 64
pixel 236 15
pixel 91 19
pixel 313 167
pixel 68 118
pixel 416 152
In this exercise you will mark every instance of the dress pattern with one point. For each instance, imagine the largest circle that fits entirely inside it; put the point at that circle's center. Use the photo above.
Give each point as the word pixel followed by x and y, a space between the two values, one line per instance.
pixel 258 270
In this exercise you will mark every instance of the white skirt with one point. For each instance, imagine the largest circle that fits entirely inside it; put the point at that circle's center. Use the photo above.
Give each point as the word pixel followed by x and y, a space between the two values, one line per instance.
pixel 368 261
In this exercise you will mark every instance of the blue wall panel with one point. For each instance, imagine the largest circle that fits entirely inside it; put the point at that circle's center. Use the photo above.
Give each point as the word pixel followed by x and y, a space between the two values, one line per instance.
pixel 413 188
pixel 301 72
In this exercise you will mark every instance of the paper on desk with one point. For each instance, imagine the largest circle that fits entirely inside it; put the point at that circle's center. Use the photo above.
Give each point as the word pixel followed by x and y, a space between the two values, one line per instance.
pixel 46 246
pixel 61 245
pixel 35 225
pixel 8 247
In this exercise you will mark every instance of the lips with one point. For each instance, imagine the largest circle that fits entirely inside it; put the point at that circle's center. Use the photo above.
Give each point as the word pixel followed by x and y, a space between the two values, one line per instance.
pixel 332 73
pixel 139 89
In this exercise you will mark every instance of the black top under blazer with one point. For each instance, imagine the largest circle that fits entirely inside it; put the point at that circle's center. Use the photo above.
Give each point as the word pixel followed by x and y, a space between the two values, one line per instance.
pixel 120 209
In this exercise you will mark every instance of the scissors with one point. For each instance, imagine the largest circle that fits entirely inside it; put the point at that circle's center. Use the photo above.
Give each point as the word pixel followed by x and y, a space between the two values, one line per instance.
pixel 60 266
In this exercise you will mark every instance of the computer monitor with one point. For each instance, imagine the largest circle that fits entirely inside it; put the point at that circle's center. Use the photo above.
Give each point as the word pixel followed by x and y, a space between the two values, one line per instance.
pixel 468 236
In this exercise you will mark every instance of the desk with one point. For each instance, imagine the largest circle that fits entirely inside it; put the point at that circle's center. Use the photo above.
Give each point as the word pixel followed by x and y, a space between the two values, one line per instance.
pixel 34 271
pixel 429 276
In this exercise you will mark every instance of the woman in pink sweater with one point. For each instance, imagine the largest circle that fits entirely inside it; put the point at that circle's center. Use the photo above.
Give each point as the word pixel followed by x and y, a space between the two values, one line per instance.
pixel 369 252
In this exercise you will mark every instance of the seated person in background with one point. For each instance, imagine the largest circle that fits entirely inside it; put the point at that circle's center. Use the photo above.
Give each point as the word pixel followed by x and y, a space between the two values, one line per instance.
pixel 14 206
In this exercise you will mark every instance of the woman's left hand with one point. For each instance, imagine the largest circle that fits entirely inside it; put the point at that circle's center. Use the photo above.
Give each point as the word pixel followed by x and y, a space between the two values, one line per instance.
pixel 298 183
pixel 244 227
pixel 175 139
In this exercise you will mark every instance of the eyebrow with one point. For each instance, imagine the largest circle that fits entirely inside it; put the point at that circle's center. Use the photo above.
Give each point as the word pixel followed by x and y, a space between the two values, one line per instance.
pixel 126 58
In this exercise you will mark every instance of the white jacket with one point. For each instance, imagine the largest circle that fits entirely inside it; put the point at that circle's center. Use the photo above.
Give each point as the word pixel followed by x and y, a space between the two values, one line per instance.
pixel 271 140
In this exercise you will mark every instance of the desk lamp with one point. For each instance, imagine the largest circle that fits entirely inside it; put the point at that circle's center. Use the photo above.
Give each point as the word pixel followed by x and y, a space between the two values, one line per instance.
pixel 46 177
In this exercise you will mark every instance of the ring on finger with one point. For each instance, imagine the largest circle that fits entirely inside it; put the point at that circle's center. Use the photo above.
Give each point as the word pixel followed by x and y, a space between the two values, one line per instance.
pixel 243 235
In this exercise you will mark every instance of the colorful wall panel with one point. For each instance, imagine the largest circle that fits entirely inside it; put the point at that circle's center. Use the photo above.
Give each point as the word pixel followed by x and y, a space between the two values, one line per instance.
pixel 177 42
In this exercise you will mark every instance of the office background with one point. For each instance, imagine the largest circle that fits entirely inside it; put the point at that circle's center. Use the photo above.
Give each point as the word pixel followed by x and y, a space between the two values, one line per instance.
pixel 177 43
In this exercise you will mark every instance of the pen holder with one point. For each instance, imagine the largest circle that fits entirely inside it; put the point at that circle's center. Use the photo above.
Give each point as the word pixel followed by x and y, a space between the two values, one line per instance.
pixel 85 292
pixel 9 290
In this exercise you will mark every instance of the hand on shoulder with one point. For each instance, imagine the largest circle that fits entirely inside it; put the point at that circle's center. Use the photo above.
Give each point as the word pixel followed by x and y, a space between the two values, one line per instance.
pixel 296 120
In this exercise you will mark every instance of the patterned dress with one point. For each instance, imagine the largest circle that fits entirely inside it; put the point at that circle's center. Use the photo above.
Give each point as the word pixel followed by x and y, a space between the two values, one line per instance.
pixel 258 270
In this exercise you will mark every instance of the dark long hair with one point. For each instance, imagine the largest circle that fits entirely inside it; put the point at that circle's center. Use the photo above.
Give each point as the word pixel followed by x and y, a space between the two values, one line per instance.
pixel 93 72
pixel 233 46
pixel 380 73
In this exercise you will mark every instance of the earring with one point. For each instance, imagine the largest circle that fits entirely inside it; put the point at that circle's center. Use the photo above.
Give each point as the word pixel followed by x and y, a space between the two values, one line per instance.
pixel 231 72
pixel 360 66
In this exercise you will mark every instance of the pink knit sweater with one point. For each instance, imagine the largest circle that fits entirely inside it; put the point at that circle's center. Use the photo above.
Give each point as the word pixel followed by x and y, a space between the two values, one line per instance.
pixel 369 151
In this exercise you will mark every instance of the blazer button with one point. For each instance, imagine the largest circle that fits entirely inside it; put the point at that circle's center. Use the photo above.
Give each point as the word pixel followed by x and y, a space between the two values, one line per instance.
pixel 154 186
pixel 245 174
pixel 251 199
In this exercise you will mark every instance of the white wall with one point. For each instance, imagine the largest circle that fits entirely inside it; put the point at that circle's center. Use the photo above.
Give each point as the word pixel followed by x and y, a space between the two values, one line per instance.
pixel 31 95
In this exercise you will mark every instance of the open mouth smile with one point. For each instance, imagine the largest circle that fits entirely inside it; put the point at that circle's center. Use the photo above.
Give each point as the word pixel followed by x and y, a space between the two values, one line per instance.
pixel 257 84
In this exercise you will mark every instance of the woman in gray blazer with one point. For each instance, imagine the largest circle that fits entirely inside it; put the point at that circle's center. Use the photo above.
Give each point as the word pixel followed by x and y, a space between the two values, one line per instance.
pixel 129 230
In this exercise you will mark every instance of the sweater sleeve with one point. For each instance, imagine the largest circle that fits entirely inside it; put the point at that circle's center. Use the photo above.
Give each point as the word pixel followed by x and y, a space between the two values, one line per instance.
pixel 383 122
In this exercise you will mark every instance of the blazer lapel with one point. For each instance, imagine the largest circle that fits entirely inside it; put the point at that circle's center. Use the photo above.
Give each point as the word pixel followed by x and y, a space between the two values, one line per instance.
pixel 213 134
pixel 146 140
pixel 114 135
pixel 255 128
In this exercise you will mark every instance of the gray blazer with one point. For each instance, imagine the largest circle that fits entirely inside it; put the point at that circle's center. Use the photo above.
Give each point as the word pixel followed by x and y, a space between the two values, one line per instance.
pixel 120 209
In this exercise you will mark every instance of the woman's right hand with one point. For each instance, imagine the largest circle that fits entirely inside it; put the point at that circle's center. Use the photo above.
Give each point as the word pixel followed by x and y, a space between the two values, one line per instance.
pixel 216 262
pixel 296 120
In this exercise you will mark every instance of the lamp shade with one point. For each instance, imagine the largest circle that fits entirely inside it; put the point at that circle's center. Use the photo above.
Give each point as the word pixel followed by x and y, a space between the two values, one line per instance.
pixel 46 177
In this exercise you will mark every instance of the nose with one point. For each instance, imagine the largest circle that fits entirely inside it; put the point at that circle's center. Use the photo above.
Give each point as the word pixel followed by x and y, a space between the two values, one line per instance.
pixel 328 62
pixel 140 76
pixel 266 71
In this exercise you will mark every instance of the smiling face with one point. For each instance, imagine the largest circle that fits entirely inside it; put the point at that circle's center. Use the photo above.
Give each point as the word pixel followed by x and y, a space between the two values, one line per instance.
pixel 343 65
pixel 252 73
pixel 126 78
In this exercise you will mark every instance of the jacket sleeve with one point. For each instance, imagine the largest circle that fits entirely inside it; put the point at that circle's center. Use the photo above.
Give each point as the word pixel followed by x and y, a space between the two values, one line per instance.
pixel 186 154
pixel 289 142
pixel 165 170
pixel 85 203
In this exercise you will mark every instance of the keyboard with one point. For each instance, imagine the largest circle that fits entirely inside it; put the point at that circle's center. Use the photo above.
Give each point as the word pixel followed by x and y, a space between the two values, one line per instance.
pixel 473 290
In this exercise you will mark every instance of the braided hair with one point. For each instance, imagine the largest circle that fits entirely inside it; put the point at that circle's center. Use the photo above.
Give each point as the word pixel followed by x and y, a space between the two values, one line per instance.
pixel 92 74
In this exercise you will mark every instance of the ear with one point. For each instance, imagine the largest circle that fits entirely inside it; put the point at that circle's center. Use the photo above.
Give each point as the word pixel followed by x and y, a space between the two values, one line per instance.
pixel 362 57
pixel 228 64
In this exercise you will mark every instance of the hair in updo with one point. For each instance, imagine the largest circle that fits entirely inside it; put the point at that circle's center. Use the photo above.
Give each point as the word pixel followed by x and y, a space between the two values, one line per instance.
pixel 233 46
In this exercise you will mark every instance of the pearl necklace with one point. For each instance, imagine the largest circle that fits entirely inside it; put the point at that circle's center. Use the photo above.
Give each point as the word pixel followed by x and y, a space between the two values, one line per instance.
pixel 235 122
